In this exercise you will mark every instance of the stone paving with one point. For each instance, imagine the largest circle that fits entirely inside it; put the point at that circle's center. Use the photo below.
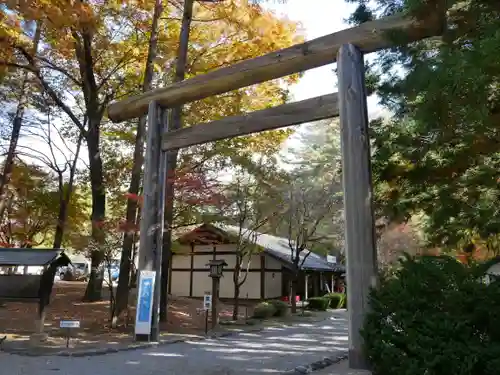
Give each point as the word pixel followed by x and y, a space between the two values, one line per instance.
pixel 274 350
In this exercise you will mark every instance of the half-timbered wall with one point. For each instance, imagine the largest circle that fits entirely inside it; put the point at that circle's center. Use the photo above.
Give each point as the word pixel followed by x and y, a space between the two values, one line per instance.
pixel 190 273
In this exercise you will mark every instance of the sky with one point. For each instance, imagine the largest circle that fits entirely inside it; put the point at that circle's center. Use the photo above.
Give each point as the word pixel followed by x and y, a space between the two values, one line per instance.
pixel 317 18
pixel 320 18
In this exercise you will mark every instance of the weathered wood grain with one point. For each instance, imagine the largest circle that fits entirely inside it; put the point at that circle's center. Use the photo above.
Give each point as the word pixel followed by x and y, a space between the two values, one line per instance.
pixel 357 183
pixel 151 223
pixel 368 37
pixel 319 108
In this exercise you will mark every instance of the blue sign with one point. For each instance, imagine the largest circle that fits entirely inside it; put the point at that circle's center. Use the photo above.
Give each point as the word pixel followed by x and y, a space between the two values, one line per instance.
pixel 145 300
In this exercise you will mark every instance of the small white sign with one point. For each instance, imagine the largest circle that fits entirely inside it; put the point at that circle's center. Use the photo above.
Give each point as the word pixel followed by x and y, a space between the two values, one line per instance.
pixel 69 324
pixel 331 259
pixel 207 301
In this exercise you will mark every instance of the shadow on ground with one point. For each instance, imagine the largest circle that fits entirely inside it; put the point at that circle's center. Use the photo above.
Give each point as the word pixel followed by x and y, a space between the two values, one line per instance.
pixel 274 350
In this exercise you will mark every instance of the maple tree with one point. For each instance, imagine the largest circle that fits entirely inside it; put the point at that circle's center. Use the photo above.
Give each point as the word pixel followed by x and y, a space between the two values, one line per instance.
pixel 32 212
pixel 131 212
pixel 396 240
pixel 89 56
pixel 95 52
pixel 250 206
pixel 17 124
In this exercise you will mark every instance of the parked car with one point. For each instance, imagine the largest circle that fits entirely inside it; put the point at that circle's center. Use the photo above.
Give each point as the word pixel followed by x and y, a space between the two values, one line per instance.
pixel 75 272
pixel 114 272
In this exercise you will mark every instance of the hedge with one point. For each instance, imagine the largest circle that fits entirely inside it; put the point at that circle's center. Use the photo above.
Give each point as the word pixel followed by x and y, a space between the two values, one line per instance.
pixel 281 307
pixel 337 300
pixel 318 303
pixel 264 310
pixel 434 316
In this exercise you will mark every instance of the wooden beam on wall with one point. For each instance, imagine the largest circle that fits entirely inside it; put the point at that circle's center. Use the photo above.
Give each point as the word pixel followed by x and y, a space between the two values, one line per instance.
pixel 191 274
pixel 262 276
pixel 368 37
pixel 319 108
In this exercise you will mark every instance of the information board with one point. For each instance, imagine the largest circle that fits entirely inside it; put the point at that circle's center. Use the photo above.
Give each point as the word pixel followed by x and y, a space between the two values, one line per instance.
pixel 207 301
pixel 145 302
pixel 69 324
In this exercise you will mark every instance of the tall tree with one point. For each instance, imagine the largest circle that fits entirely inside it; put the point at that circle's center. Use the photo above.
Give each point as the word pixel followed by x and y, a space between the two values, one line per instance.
pixel 60 157
pixel 17 122
pixel 131 215
pixel 95 52
pixel 174 124
pixel 308 210
pixel 250 208
pixel 439 154
pixel 238 17
pixel 33 208
pixel 83 63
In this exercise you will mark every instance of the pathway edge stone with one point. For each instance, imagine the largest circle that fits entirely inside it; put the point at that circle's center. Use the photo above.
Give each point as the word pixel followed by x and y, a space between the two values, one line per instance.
pixel 318 365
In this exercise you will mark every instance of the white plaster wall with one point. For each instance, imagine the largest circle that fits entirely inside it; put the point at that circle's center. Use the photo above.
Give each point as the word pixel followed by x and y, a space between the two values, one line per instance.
pixel 201 261
pixel 201 283
pixel 251 286
pixel 181 261
pixel 272 263
pixel 273 284
pixel 226 289
pixel 230 259
pixel 180 283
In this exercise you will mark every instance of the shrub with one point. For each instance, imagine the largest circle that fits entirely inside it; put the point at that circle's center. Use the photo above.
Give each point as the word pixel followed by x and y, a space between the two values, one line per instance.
pixel 281 307
pixel 318 303
pixel 434 316
pixel 264 310
pixel 337 300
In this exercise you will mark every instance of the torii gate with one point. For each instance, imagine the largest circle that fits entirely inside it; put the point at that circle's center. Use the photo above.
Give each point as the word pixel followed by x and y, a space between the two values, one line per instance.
pixel 347 48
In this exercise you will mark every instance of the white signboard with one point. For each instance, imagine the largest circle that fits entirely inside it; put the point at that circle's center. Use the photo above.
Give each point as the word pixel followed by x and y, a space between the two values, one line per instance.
pixel 207 301
pixel 145 302
pixel 331 259
pixel 69 324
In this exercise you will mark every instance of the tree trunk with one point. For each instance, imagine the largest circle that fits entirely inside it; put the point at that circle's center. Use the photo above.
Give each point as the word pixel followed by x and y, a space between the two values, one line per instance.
pixel 180 72
pixel 236 306
pixel 135 181
pixel 93 291
pixel 66 199
pixel 237 286
pixel 16 130
pixel 293 297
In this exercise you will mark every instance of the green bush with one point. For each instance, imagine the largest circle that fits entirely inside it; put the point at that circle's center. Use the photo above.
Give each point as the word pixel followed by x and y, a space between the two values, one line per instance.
pixel 318 303
pixel 264 310
pixel 281 307
pixel 434 316
pixel 337 300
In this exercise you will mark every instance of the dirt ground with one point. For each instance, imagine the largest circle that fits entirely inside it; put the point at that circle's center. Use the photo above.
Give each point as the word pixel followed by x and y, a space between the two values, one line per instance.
pixel 17 320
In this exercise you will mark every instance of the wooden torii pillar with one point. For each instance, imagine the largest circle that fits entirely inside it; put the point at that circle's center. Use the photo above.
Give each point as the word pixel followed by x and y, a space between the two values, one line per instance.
pixel 347 48
pixel 361 253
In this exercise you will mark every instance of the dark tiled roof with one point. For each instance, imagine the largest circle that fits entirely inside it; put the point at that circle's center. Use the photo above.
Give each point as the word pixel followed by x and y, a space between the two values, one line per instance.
pixel 27 257
pixel 279 248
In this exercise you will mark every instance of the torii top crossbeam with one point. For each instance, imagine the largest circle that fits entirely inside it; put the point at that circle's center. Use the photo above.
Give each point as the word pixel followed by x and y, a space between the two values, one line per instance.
pixel 368 37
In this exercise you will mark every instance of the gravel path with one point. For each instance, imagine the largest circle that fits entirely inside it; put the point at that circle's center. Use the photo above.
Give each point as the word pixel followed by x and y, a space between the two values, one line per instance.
pixel 273 350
